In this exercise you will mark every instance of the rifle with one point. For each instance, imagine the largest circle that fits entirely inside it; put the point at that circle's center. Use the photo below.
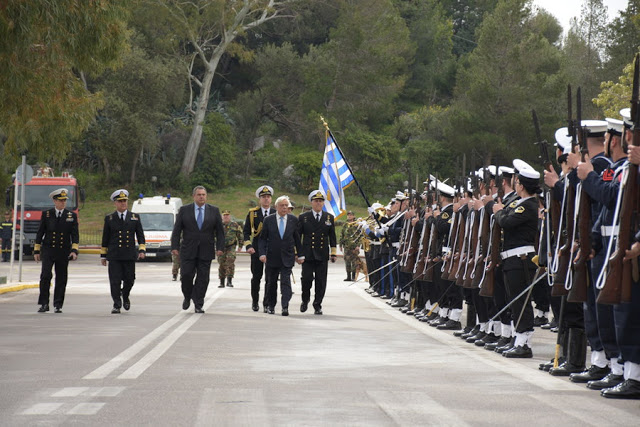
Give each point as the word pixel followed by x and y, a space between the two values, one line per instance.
pixel 563 255
pixel 492 255
pixel 617 287
pixel 484 235
pixel 433 238
pixel 578 291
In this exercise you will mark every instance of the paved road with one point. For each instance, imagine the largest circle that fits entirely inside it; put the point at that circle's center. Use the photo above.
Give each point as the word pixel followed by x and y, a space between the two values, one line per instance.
pixel 361 363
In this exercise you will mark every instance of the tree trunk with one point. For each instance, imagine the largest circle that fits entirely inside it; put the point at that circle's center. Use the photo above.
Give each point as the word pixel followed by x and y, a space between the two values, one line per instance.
pixel 201 112
pixel 132 177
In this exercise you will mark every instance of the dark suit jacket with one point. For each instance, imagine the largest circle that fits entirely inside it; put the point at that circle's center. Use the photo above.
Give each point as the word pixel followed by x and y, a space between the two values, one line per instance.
pixel 317 237
pixel 119 238
pixel 58 235
pixel 279 251
pixel 201 244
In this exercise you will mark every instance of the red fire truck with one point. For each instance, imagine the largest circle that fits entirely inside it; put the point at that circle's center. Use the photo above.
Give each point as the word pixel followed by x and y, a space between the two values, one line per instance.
pixel 37 200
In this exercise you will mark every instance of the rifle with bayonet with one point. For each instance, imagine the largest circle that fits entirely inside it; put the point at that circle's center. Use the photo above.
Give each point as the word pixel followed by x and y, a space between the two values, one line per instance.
pixel 492 257
pixel 482 248
pixel 580 285
pixel 617 287
pixel 472 235
pixel 433 236
pixel 563 254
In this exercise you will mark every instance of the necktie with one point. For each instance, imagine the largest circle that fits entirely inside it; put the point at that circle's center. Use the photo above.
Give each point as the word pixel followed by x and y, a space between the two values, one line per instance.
pixel 59 214
pixel 199 219
pixel 281 227
pixel 122 217
pixel 265 213
pixel 318 217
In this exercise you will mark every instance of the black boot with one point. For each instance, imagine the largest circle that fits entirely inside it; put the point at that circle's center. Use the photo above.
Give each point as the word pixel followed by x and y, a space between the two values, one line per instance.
pixel 221 285
pixel 229 284
pixel 576 354
pixel 348 279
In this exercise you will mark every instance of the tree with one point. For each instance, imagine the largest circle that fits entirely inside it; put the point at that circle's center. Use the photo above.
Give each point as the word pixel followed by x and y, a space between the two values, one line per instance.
pixel 623 39
pixel 466 15
pixel 615 96
pixel 210 29
pixel 46 47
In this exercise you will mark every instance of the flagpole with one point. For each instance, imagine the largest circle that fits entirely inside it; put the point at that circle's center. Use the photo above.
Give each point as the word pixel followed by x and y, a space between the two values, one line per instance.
pixel 335 163
pixel 344 159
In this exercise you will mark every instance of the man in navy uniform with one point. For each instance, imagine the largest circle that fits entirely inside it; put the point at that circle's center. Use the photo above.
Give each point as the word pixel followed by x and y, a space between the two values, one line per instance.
pixel 251 233
pixel 318 233
pixel 6 234
pixel 56 243
pixel 121 228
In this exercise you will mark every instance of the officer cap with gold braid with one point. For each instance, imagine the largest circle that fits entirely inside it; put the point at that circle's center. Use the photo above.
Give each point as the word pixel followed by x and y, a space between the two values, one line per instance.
pixel 120 194
pixel 226 212
pixel 265 190
pixel 59 194
pixel 317 195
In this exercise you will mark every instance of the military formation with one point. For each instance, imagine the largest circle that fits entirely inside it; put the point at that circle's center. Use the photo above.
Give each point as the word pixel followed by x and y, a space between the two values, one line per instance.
pixel 507 254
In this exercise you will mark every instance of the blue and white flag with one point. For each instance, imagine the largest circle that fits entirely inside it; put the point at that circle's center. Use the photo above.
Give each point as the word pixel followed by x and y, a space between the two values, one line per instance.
pixel 335 176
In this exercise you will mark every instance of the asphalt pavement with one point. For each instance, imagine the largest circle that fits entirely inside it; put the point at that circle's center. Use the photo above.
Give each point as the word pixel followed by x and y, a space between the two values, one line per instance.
pixel 361 363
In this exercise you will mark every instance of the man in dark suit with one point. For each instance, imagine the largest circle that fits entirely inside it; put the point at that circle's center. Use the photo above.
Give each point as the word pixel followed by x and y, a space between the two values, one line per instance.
pixel 121 228
pixel 278 246
pixel 56 242
pixel 318 234
pixel 251 232
pixel 199 224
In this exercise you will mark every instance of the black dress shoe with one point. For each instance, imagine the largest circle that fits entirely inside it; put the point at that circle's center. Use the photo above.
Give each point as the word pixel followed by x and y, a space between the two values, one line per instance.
pixel 611 380
pixel 317 311
pixel 43 308
pixel 465 330
pixel 255 306
pixel 58 310
pixel 199 310
pixel 594 373
pixel 519 352
pixel 303 307
pixel 285 311
pixel 628 389
pixel 450 325
pixel 487 339
pixel 540 320
pixel 506 347
pixel 566 369
pixel 186 303
pixel 473 338
pixel 115 310
pixel 175 277
pixel 501 342
pixel 126 304
pixel 270 310
pixel 550 325
pixel 473 331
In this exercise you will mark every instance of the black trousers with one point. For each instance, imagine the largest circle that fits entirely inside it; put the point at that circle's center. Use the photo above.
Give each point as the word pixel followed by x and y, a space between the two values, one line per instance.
pixel 121 272
pixel 599 323
pixel 59 261
pixel 516 280
pixel 200 270
pixel 500 296
pixel 6 249
pixel 271 288
pixel 314 271
pixel 257 269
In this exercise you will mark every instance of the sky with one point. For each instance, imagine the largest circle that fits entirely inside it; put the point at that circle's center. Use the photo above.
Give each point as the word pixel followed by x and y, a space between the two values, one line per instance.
pixel 564 10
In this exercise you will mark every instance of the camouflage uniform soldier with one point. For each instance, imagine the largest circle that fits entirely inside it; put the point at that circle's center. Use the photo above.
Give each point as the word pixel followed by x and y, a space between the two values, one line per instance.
pixel 232 238
pixel 350 246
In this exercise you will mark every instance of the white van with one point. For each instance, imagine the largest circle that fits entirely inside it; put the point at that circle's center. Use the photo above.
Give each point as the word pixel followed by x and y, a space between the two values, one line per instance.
pixel 158 214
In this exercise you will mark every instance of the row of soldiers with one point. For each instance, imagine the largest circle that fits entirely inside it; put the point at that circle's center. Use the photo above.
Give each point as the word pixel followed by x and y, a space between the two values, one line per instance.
pixel 513 252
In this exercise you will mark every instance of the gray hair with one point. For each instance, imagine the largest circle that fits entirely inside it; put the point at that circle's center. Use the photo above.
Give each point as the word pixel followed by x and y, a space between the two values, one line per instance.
pixel 282 199
pixel 196 188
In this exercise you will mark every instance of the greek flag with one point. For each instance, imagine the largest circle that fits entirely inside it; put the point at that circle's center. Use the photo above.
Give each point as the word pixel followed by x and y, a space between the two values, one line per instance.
pixel 334 178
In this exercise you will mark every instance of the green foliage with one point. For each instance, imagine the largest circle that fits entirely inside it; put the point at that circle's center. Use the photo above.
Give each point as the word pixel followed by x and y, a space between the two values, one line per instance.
pixel 218 158
pixel 616 96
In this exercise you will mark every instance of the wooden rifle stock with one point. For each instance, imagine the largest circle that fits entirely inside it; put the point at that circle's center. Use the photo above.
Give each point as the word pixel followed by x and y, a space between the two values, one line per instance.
pixel 471 250
pixel 564 252
pixel 487 287
pixel 578 291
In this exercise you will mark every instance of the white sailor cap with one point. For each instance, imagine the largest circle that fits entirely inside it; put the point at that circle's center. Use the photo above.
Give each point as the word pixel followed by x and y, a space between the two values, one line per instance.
pixel 59 194
pixel 317 195
pixel 529 173
pixel 492 170
pixel 563 140
pixel 614 126
pixel 400 196
pixel 388 207
pixel 626 117
pixel 374 207
pixel 506 171
pixel 446 189
pixel 120 194
pixel 595 128
pixel 265 190
pixel 518 165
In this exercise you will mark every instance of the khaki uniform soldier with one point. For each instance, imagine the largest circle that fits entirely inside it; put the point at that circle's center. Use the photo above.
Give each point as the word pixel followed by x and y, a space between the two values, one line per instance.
pixel 350 237
pixel 56 243
pixel 121 228
pixel 232 239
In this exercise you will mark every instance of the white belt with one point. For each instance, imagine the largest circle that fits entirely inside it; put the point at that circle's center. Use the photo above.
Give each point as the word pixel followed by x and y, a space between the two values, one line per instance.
pixel 446 249
pixel 396 244
pixel 522 250
pixel 376 243
pixel 609 230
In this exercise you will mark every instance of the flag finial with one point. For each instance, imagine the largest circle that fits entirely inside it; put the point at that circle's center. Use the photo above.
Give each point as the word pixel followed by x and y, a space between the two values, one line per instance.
pixel 324 122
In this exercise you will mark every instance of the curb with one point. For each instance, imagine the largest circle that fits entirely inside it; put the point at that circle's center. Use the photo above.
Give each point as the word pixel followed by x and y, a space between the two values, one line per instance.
pixel 15 288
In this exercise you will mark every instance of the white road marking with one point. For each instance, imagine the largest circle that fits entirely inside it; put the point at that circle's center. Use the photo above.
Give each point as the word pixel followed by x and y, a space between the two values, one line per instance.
pixel 70 392
pixel 42 409
pixel 86 408
pixel 154 354
pixel 105 391
pixel 534 377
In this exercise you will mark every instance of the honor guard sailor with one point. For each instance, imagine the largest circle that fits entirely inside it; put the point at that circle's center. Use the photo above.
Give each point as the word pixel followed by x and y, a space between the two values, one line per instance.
pixel 56 243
